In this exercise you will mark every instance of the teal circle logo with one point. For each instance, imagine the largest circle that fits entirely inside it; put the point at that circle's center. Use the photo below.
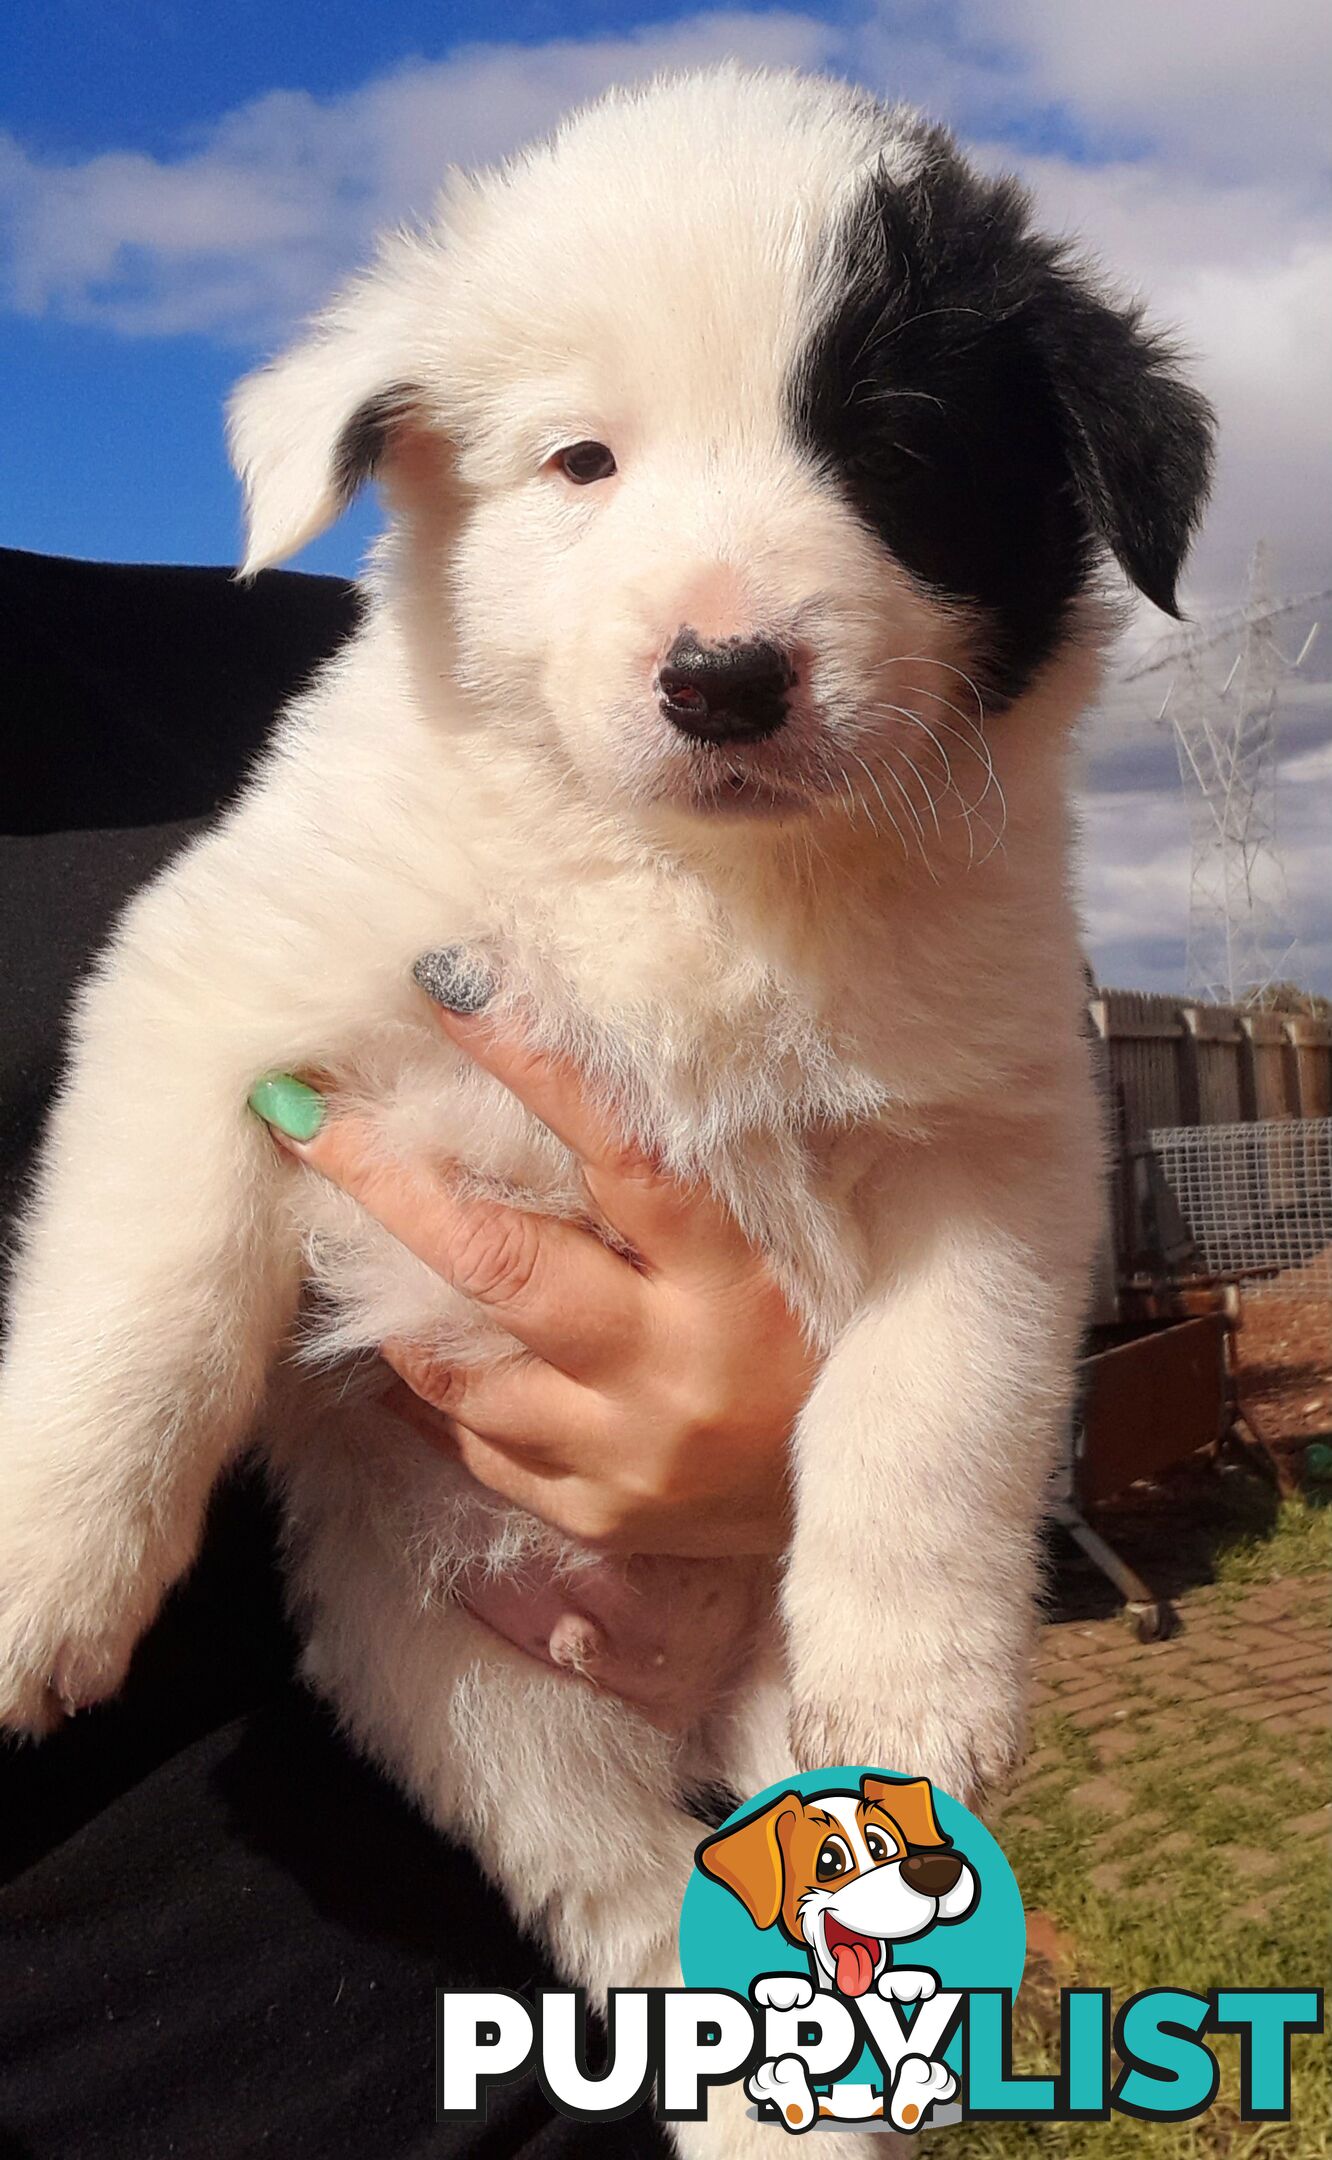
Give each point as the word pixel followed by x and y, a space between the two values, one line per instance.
pixel 845 1878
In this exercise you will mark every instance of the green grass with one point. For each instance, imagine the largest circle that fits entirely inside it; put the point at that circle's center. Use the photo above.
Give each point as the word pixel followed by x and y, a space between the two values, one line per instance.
pixel 1200 1882
pixel 1296 1541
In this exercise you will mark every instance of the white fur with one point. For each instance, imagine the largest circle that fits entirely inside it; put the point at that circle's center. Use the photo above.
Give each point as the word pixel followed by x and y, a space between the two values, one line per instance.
pixel 867 1043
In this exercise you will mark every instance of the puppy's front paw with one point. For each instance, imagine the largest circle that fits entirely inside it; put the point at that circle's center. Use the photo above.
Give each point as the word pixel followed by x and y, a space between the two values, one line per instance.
pixel 967 1740
pixel 47 1675
pixel 80 1579
pixel 69 1621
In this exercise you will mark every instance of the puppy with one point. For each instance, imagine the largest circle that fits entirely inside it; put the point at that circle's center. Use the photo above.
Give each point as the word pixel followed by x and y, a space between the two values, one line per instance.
pixel 845 1876
pixel 751 467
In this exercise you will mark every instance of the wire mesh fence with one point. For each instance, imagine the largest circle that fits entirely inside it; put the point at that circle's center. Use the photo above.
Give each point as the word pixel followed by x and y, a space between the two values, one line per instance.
pixel 1255 1199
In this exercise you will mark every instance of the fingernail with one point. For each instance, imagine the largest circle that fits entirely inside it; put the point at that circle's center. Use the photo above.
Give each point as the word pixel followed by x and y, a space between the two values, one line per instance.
pixel 455 979
pixel 288 1105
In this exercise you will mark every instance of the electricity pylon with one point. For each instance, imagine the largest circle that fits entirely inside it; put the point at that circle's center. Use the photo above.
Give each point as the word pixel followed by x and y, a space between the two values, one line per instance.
pixel 1224 728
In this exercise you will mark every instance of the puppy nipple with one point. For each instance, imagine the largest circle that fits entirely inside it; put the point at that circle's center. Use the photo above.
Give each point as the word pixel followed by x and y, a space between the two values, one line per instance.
pixel 574 1642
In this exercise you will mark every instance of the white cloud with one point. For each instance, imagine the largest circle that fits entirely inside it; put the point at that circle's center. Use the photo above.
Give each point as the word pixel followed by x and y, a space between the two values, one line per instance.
pixel 247 228
pixel 1225 89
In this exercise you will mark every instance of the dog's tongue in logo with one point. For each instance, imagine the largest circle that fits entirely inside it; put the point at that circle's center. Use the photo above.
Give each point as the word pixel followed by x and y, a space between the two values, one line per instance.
pixel 854 1956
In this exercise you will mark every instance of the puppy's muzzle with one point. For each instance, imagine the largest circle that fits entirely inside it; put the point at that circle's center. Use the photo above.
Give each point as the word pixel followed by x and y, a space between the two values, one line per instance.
pixel 934 1874
pixel 734 691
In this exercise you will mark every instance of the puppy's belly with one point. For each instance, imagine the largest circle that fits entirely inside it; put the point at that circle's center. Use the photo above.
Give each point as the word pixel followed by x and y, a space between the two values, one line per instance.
pixel 673 1637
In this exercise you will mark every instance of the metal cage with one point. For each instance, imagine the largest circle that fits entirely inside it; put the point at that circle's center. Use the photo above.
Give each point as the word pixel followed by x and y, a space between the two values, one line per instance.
pixel 1256 1200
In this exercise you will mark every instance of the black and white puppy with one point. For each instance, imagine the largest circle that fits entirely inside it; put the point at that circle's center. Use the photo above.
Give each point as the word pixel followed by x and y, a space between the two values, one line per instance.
pixel 752 466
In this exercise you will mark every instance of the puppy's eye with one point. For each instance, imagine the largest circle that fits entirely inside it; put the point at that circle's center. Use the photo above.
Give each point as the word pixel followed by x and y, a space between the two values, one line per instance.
pixel 834 1859
pixel 878 1847
pixel 584 462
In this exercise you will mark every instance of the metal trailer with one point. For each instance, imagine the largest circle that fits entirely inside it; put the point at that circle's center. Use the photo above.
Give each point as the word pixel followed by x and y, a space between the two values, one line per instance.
pixel 1195 1217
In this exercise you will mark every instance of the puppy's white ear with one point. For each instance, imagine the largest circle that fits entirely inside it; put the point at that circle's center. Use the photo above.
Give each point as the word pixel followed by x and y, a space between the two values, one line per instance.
pixel 307 431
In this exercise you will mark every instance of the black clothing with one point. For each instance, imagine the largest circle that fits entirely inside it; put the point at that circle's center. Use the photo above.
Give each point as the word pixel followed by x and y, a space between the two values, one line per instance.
pixel 220 1931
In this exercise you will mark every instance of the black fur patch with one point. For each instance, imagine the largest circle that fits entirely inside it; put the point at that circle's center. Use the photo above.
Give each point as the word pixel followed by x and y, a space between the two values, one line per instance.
pixel 993 417
pixel 363 440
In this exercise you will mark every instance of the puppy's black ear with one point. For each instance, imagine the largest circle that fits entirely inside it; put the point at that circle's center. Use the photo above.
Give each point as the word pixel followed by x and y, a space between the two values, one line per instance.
pixel 1139 437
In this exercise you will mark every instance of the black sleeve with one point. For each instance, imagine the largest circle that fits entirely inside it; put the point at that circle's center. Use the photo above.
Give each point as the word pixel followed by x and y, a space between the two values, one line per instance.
pixel 136 700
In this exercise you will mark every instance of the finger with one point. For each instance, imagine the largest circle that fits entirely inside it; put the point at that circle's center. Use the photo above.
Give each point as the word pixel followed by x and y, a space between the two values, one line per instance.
pixel 565 1502
pixel 552 1286
pixel 541 1417
pixel 676 1226
pixel 403 1402
pixel 526 1476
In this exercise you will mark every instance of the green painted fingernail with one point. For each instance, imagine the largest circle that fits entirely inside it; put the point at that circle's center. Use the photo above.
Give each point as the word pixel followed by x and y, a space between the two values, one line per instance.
pixel 288 1105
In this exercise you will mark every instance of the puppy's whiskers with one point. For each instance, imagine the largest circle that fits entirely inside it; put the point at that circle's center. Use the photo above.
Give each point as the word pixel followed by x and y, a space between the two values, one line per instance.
pixel 925 788
pixel 908 805
pixel 837 776
pixel 873 782
pixel 966 809
pixel 969 735
pixel 930 660
pixel 981 750
pixel 882 758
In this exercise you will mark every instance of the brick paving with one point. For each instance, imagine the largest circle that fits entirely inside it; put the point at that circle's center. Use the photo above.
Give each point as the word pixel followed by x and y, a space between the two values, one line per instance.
pixel 1263 1655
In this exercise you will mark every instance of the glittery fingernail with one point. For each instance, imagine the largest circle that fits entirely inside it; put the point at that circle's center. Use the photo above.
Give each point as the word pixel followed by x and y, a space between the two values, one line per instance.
pixel 455 979
pixel 290 1106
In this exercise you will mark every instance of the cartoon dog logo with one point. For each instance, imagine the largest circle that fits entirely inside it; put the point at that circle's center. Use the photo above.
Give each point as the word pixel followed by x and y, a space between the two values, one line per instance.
pixel 846 1876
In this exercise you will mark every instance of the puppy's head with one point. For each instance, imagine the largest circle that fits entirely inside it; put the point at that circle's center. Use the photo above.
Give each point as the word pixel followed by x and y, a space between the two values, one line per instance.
pixel 846 1875
pixel 749 450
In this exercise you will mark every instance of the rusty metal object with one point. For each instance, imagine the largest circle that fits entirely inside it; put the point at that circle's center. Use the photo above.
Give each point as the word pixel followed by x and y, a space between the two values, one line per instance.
pixel 1152 1396
pixel 1149 1402
pixel 1142 1302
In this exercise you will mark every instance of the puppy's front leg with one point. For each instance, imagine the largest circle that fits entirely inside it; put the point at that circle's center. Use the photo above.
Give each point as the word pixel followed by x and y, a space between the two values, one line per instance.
pixel 155 1275
pixel 923 1457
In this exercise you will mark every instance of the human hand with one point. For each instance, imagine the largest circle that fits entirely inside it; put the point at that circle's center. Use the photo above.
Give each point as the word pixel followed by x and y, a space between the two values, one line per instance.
pixel 652 1410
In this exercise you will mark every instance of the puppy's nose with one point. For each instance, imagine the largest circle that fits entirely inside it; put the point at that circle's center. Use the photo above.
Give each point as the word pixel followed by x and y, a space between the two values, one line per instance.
pixel 734 691
pixel 932 1873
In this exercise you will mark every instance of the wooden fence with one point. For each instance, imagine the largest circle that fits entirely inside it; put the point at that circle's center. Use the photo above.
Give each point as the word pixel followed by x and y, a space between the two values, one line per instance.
pixel 1171 1063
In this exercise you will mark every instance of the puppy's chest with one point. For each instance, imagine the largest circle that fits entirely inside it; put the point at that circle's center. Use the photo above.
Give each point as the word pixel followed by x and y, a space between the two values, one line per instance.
pixel 755 1101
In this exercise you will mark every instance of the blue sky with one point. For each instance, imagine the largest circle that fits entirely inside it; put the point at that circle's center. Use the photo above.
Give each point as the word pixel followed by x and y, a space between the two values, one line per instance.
pixel 103 414
pixel 121 453
pixel 180 184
